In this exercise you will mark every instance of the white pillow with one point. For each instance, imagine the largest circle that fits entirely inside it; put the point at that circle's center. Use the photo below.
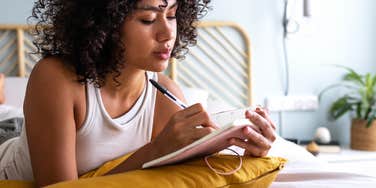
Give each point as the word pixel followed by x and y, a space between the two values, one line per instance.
pixel 195 95
pixel 217 105
pixel 291 151
pixel 14 90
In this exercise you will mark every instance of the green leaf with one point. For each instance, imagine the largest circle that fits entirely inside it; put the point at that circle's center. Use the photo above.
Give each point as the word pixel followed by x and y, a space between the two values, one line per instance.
pixel 374 81
pixel 340 107
pixel 371 92
pixel 359 110
pixel 371 117
pixel 369 121
pixel 365 105
pixel 369 85
pixel 360 96
pixel 374 84
pixel 352 76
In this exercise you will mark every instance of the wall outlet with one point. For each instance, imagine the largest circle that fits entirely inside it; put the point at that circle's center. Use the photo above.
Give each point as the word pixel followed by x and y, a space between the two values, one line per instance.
pixel 292 103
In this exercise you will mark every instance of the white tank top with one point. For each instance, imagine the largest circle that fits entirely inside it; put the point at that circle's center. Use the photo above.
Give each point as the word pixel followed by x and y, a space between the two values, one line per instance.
pixel 100 138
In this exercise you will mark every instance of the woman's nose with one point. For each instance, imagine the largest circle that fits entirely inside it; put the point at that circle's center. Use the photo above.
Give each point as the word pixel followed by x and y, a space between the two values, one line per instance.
pixel 166 31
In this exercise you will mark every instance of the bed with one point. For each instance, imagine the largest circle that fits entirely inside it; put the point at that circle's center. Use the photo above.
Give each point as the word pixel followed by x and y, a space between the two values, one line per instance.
pixel 223 49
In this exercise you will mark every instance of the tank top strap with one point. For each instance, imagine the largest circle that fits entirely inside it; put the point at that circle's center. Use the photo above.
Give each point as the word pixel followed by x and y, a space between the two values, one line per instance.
pixel 91 109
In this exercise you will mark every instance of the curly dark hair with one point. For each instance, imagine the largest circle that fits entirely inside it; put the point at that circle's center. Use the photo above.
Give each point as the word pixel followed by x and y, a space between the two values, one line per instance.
pixel 85 34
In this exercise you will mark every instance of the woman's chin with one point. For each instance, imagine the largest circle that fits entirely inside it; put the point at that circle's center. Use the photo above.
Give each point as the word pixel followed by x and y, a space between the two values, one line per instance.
pixel 154 66
pixel 159 67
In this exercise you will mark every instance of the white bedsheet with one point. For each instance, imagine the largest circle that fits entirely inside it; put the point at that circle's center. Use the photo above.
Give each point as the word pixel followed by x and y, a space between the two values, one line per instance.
pixel 14 90
pixel 305 170
pixel 307 175
pixel 9 112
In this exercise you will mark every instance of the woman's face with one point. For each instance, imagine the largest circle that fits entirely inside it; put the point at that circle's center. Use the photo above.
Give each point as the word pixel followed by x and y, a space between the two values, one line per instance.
pixel 149 34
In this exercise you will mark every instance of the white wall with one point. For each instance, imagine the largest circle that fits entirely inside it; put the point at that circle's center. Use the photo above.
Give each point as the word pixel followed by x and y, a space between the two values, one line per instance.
pixel 339 32
pixel 15 11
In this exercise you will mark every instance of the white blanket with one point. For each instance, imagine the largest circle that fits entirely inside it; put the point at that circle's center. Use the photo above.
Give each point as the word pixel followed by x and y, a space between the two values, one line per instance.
pixel 10 112
pixel 304 170
pixel 307 175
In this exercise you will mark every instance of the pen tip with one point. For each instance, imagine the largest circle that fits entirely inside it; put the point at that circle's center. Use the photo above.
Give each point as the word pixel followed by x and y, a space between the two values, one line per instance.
pixel 154 82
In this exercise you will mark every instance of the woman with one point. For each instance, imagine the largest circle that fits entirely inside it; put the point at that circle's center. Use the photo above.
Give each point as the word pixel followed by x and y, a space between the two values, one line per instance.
pixel 88 100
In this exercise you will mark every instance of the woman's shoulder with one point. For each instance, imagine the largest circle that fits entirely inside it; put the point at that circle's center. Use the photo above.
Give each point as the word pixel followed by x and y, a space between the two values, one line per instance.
pixel 171 85
pixel 53 88
pixel 51 76
pixel 52 67
pixel 52 70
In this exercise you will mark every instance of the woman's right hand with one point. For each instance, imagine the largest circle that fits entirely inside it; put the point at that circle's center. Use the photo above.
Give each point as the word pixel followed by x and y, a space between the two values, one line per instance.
pixel 182 129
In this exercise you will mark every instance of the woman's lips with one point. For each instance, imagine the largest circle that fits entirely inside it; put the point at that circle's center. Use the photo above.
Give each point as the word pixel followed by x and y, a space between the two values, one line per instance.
pixel 164 55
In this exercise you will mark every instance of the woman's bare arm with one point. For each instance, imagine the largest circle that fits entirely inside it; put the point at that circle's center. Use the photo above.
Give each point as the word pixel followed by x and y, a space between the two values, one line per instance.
pixel 50 124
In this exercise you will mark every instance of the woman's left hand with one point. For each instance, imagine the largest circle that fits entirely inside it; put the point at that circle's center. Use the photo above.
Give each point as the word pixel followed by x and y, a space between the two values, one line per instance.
pixel 260 137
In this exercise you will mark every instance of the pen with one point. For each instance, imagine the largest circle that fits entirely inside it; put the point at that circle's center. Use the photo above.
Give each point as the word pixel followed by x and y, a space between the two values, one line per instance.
pixel 169 95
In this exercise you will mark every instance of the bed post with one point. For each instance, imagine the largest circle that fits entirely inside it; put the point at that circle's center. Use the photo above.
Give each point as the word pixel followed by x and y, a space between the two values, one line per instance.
pixel 173 75
pixel 21 54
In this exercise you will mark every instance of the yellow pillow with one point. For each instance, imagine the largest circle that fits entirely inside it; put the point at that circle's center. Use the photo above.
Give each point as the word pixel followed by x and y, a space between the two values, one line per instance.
pixel 255 172
pixel 16 184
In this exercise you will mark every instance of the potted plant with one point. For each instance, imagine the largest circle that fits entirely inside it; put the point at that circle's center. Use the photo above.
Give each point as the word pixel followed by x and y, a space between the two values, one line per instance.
pixel 359 99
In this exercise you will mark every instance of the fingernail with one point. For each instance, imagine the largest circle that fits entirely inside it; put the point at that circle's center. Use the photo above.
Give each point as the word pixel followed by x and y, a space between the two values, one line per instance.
pixel 252 112
pixel 213 125
pixel 247 130
pixel 260 109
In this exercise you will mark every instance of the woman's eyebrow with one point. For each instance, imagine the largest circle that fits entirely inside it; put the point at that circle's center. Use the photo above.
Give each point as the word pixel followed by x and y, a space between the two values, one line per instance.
pixel 154 8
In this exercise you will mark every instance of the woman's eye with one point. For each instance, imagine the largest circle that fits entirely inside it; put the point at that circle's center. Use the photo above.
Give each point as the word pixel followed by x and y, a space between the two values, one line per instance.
pixel 171 17
pixel 147 22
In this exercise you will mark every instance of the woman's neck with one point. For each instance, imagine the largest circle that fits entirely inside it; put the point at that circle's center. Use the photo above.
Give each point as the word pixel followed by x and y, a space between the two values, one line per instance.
pixel 131 85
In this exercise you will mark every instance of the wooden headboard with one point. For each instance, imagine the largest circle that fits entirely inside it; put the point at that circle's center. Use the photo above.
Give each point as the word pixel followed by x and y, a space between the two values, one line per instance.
pixel 16 47
pixel 220 62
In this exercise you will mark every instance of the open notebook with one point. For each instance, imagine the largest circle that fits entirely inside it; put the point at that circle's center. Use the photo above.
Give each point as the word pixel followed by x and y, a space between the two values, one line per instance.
pixel 230 125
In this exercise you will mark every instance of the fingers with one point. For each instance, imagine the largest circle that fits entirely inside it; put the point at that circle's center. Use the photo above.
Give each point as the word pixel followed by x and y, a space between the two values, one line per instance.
pixel 262 123
pixel 256 138
pixel 264 113
pixel 256 145
pixel 203 119
pixel 261 153
pixel 195 115
pixel 250 149
pixel 191 110
pixel 199 133
pixel 258 142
